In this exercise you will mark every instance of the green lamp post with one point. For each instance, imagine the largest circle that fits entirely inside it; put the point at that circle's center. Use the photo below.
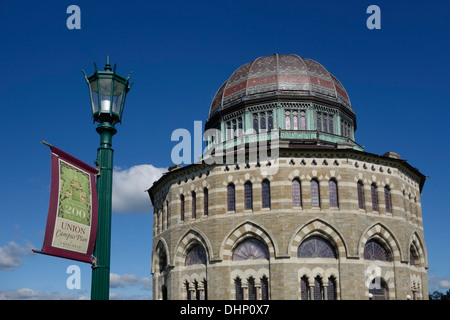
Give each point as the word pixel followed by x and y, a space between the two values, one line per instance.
pixel 107 93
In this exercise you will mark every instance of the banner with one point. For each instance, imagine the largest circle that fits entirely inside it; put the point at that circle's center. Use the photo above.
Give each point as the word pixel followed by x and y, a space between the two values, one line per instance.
pixel 72 215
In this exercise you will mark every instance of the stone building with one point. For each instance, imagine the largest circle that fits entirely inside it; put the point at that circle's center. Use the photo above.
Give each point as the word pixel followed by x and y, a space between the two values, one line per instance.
pixel 284 203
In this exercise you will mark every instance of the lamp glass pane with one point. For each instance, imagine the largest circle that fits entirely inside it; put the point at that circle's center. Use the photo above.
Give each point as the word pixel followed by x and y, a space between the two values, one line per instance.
pixel 117 97
pixel 93 89
pixel 105 95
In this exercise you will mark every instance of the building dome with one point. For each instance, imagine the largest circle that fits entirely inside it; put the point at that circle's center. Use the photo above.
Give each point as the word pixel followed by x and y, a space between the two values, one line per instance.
pixel 279 75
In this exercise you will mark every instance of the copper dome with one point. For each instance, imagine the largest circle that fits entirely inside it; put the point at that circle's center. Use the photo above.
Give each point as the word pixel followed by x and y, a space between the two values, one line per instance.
pixel 280 75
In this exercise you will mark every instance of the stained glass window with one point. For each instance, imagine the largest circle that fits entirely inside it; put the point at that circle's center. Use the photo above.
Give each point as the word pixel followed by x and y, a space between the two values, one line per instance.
pixel 373 250
pixel 387 198
pixel 262 121
pixel 182 207
pixel 287 123
pixel 196 255
pixel 231 197
pixel 316 247
pixel 296 193
pixel 270 121
pixel 205 201
pixel 315 193
pixel 295 120
pixel 238 289
pixel 331 290
pixel 374 192
pixel 194 205
pixel 302 123
pixel 248 195
pixel 265 193
pixel 361 203
pixel 250 249
pixel 332 186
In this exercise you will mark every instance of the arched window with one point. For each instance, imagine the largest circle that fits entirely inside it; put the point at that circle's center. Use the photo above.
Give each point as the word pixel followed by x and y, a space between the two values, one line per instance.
pixel 287 121
pixel 231 199
pixel 248 195
pixel 264 288
pixel 182 207
pixel 374 192
pixel 318 288
pixel 315 193
pixel 333 191
pixel 196 255
pixel 251 289
pixel 413 256
pixel 205 202
pixel 361 202
pixel 194 205
pixel 304 288
pixel 331 290
pixel 379 289
pixel 250 249
pixel 238 289
pixel 387 199
pixel 373 250
pixel 316 247
pixel 265 193
pixel 296 193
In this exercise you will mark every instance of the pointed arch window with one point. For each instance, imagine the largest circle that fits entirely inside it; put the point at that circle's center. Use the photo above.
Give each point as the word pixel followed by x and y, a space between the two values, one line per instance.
pixel 251 289
pixel 296 193
pixel 333 193
pixel 315 193
pixel 360 187
pixel 373 250
pixel 205 202
pixel 250 249
pixel 316 247
pixel 304 288
pixel 318 288
pixel 374 192
pixel 231 197
pixel 264 288
pixel 238 289
pixel 388 199
pixel 248 195
pixel 196 255
pixel 265 193
pixel 182 207
pixel 331 290
pixel 194 205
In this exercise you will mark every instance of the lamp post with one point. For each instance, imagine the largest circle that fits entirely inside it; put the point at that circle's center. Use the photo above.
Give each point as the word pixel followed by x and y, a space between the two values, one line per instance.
pixel 107 92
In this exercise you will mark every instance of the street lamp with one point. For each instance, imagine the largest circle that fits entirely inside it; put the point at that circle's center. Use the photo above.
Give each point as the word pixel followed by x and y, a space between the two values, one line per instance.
pixel 107 92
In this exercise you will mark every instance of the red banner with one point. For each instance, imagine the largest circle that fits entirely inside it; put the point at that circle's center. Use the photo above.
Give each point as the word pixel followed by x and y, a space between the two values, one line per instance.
pixel 72 215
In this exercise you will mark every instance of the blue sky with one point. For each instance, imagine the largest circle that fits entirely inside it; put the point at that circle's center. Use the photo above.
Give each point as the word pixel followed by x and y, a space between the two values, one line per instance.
pixel 180 53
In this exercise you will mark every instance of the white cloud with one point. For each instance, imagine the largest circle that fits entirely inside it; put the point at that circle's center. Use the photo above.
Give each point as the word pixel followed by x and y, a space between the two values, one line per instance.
pixel 30 294
pixel 129 185
pixel 11 255
pixel 129 280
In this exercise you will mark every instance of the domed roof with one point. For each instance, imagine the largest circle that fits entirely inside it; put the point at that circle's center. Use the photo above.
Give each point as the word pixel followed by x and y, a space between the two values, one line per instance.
pixel 280 75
